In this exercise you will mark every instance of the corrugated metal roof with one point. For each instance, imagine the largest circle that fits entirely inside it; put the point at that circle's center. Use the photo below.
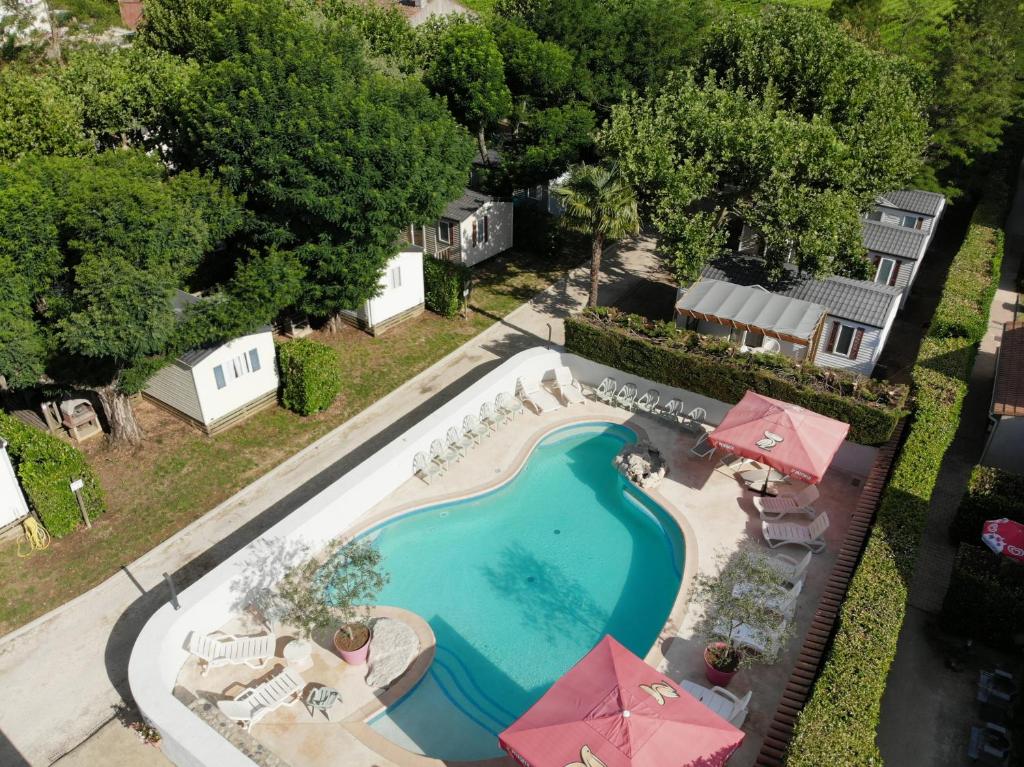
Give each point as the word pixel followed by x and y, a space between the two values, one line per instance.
pixel 914 200
pixel 753 306
pixel 468 204
pixel 893 240
pixel 1008 398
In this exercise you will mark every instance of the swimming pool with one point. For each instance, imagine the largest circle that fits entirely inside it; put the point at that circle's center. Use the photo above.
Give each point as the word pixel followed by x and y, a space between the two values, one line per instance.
pixel 520 582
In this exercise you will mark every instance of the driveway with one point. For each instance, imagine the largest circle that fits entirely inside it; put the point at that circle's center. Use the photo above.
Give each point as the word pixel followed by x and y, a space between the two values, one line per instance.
pixel 62 674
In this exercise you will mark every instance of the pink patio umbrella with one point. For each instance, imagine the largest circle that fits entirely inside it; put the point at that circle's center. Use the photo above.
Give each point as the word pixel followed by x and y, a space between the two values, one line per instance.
pixel 613 710
pixel 1004 537
pixel 791 439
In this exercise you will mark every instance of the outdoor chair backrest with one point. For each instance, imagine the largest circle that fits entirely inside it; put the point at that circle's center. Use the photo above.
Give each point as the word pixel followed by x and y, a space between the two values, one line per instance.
pixel 651 399
pixel 419 461
pixel 508 402
pixel 436 449
pixel 771 346
pixel 607 386
pixel 674 407
pixel 627 393
pixel 698 414
pixel 818 525
pixel 563 376
pixel 469 424
pixel 454 438
pixel 202 646
pixel 487 411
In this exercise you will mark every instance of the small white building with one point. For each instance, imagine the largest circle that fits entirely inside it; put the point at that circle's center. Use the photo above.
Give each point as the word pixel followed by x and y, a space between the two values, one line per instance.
pixel 216 387
pixel 13 507
pixel 542 196
pixel 401 293
pixel 472 229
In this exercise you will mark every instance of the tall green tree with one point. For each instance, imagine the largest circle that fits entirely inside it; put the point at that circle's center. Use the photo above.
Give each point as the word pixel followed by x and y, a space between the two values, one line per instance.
pixel 467 69
pixel 38 115
pixel 599 202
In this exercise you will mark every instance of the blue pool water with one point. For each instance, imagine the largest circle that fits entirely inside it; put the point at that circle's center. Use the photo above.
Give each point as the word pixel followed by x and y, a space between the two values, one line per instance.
pixel 518 584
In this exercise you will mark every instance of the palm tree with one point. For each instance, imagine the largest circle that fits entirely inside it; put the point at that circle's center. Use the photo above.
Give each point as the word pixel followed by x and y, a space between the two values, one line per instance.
pixel 598 201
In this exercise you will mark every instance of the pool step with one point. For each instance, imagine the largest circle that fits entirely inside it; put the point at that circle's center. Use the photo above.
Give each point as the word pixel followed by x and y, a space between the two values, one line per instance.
pixel 466 694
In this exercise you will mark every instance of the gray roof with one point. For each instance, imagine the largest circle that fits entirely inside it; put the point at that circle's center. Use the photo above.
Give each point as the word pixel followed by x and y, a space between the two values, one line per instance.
pixel 468 204
pixel 914 200
pixel 193 357
pixel 753 306
pixel 856 300
pixel 892 240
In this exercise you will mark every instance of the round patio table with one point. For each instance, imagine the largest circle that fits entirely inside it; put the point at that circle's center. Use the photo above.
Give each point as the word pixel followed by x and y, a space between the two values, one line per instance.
pixel 321 699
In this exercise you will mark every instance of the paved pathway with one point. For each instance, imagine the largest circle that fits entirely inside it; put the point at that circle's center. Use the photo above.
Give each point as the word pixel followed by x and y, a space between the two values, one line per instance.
pixel 62 674
pixel 926 709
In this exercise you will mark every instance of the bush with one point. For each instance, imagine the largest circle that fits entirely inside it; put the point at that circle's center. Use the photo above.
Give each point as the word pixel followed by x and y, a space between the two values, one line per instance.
pixel 991 494
pixel 985 599
pixel 310 379
pixel 839 722
pixel 660 352
pixel 444 283
pixel 46 466
pixel 537 232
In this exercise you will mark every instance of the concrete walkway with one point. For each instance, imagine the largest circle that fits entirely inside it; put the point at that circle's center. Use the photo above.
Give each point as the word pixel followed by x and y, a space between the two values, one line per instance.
pixel 927 709
pixel 62 674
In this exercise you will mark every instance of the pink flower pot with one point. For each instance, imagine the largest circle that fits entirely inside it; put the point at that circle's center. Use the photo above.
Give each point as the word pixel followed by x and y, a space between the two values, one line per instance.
pixel 356 657
pixel 716 676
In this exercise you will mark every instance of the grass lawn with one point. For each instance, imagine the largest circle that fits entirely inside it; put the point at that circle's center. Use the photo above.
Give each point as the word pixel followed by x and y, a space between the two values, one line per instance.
pixel 179 474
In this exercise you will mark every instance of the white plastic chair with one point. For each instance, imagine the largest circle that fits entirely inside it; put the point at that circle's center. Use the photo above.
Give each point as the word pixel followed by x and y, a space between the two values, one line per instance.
pixel 459 442
pixel 648 401
pixel 488 417
pixel 626 396
pixel 254 703
pixel 778 598
pixel 694 421
pixel 789 569
pixel 441 454
pixel 671 410
pixel 473 429
pixel 776 508
pixel 568 388
pixel 425 468
pixel 605 391
pixel 809 534
pixel 231 650
pixel 508 406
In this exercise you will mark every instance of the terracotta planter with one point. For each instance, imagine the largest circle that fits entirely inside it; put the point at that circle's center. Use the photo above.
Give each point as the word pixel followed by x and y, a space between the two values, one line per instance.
pixel 356 657
pixel 717 677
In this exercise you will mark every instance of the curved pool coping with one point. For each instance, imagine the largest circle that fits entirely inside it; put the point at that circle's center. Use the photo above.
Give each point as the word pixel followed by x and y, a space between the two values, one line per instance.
pixel 358 723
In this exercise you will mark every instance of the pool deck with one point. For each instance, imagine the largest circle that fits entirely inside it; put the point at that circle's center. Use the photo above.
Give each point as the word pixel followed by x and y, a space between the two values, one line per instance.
pixel 715 513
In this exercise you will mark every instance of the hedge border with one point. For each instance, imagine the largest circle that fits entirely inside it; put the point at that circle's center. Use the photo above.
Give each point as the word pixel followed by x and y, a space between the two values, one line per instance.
pixel 310 378
pixel 839 722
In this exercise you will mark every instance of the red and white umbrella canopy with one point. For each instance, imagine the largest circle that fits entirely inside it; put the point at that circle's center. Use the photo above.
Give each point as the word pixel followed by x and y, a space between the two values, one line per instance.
pixel 791 439
pixel 1004 537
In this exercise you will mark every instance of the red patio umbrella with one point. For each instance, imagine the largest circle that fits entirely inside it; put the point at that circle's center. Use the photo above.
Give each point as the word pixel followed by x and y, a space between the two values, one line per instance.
pixel 794 440
pixel 1004 537
pixel 613 710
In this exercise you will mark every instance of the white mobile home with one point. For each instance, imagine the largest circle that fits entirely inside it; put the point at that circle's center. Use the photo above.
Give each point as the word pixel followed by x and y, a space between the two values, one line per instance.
pixel 13 507
pixel 401 293
pixel 218 386
pixel 472 229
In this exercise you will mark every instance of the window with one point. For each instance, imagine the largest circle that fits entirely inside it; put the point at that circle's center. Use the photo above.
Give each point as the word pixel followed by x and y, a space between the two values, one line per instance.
pixel 475 243
pixel 535 192
pixel 396 277
pixel 887 270
pixel 845 340
pixel 487 229
pixel 444 232
pixel 236 367
pixel 875 215
pixel 912 222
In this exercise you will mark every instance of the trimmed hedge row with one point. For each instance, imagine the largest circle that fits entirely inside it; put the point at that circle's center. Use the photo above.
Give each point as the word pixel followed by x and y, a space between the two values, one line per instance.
pixel 443 285
pixel 46 466
pixel 310 379
pixel 686 361
pixel 839 723
pixel 985 597
pixel 991 494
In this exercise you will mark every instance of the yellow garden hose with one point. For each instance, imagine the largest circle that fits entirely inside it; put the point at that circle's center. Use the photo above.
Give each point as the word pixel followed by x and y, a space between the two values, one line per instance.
pixel 35 538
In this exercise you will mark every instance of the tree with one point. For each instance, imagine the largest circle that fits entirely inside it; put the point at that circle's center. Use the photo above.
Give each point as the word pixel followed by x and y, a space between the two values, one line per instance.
pixel 536 71
pixel 98 245
pixel 863 16
pixel 786 124
pixel 37 115
pixel 598 201
pixel 467 69
pixel 546 142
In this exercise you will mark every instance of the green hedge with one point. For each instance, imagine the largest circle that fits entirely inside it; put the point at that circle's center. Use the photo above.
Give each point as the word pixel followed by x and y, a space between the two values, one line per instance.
pixel 46 466
pixel 659 352
pixel 839 722
pixel 985 599
pixel 991 494
pixel 443 285
pixel 310 378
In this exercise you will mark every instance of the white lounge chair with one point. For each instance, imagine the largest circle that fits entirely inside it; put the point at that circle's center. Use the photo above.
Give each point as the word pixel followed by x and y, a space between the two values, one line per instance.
pixel 254 703
pixel 671 410
pixel 231 650
pixel 488 417
pixel 424 468
pixel 472 428
pixel 810 534
pixel 766 643
pixel 508 406
pixel 776 508
pixel 778 598
pixel 530 390
pixel 626 396
pixel 648 401
pixel 728 706
pixel 568 388
pixel 605 391
pixel 694 421
pixel 703 448
pixel 441 454
pixel 789 569
pixel 768 346
pixel 460 443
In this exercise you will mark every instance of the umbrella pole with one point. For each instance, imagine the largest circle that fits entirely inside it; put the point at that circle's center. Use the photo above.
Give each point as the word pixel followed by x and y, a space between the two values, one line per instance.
pixel 764 487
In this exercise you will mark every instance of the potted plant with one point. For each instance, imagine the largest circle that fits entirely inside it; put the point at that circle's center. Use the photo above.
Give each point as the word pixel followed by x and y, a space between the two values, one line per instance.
pixel 339 587
pixel 739 594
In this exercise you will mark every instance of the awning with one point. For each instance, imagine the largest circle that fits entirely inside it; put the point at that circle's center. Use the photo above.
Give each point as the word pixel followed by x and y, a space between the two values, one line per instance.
pixel 1008 397
pixel 754 309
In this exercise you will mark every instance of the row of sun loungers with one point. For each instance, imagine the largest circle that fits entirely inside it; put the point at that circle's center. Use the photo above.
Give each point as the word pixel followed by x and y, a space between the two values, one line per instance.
pixel 231 650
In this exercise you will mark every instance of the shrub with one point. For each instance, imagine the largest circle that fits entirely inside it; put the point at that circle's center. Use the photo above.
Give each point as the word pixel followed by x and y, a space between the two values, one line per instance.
pixel 310 379
pixel 706 366
pixel 991 494
pixel 839 722
pixel 444 283
pixel 985 599
pixel 46 466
